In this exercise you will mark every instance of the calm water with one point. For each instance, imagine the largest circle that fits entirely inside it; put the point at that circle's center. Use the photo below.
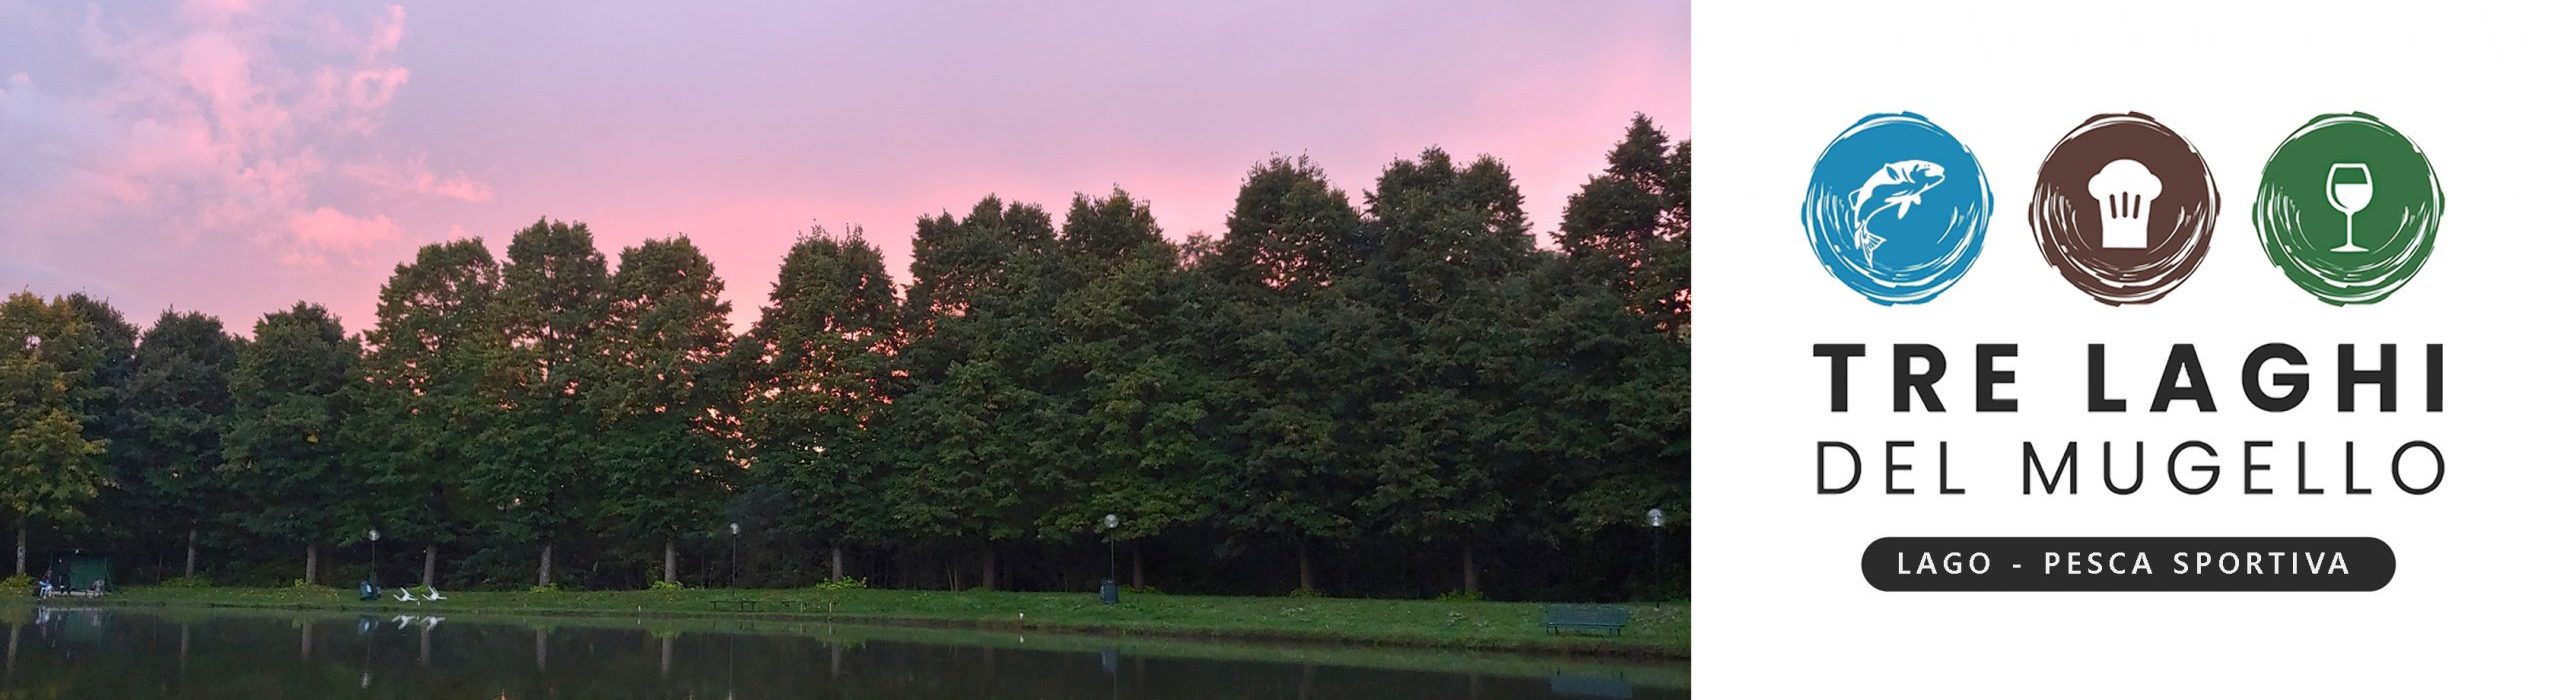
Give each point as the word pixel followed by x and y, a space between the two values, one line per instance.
pixel 172 653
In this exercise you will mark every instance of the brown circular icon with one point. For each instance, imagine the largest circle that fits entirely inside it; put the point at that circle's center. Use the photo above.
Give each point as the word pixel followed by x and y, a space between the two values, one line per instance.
pixel 2124 208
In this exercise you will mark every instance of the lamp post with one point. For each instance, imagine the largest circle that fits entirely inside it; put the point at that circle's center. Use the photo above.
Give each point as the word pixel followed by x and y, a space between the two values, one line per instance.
pixel 733 555
pixel 1110 581
pixel 373 569
pixel 1653 518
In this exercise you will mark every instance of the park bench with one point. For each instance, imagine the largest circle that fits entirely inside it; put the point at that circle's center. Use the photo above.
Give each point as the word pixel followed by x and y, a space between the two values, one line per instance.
pixel 736 604
pixel 1586 617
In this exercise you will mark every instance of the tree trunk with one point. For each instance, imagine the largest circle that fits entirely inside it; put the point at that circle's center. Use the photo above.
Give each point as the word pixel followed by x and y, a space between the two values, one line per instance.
pixel 1306 571
pixel 191 553
pixel 1138 567
pixel 311 563
pixel 987 565
pixel 22 547
pixel 1467 564
pixel 835 562
pixel 670 574
pixel 429 580
pixel 543 577
pixel 541 649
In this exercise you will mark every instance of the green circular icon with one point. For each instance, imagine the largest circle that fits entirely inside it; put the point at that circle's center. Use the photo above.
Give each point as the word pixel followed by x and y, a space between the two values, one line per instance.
pixel 2348 208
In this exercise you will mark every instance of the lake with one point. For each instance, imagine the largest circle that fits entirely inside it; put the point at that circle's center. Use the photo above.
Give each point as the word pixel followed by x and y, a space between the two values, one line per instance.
pixel 135 652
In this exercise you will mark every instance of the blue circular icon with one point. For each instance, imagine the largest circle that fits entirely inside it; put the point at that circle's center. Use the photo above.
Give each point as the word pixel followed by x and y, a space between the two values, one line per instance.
pixel 1897 208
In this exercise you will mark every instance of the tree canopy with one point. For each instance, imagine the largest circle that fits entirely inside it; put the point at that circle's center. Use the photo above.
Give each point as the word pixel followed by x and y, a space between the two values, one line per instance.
pixel 1392 387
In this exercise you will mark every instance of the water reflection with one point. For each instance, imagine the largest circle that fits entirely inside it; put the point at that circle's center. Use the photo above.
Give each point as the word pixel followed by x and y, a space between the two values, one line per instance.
pixel 126 652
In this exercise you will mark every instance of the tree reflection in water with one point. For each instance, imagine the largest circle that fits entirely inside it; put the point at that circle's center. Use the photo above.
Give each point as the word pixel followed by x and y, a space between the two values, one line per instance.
pixel 137 653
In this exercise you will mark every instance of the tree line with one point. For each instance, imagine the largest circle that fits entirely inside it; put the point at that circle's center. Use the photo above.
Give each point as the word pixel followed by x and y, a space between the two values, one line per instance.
pixel 1403 396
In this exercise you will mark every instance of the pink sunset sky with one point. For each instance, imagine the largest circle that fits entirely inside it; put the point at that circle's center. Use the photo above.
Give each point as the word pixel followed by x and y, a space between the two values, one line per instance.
pixel 235 156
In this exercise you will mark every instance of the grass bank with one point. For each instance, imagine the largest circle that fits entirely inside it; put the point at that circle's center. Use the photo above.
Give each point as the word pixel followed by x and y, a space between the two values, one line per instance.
pixel 1655 631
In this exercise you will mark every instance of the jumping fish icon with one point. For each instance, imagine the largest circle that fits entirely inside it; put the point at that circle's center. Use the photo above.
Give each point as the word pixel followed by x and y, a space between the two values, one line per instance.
pixel 1895 187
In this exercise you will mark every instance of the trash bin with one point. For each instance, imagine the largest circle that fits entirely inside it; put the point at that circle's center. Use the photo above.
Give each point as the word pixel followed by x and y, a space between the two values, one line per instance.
pixel 1110 592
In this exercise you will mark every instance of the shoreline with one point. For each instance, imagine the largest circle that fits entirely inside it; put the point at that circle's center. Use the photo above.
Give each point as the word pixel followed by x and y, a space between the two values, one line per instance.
pixel 1654 633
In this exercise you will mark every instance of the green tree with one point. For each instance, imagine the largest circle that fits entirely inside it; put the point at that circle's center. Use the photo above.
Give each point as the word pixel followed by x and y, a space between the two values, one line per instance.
pixel 49 470
pixel 551 305
pixel 1136 383
pixel 423 392
pixel 819 360
pixel 179 397
pixel 665 398
pixel 1285 337
pixel 1450 359
pixel 975 444
pixel 1613 400
pixel 1620 402
pixel 284 445
pixel 98 395
pixel 1291 230
pixel 956 260
pixel 1630 226
pixel 99 388
pixel 970 430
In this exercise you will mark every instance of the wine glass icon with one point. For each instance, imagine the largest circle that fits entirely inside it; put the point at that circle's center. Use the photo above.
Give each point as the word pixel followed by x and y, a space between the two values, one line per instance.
pixel 2350 189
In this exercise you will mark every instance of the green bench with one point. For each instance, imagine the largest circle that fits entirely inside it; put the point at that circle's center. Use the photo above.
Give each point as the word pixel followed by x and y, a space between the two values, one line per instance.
pixel 736 604
pixel 1586 617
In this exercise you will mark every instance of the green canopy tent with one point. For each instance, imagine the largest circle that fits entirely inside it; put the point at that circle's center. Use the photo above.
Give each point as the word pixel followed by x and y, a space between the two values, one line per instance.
pixel 80 573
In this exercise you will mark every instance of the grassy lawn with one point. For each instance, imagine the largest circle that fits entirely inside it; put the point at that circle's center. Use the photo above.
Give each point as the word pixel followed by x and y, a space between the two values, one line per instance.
pixel 1655 631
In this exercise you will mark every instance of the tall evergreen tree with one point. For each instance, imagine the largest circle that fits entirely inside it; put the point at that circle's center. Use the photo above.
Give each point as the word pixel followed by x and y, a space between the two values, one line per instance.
pixel 423 392
pixel 285 446
pixel 666 400
pixel 820 367
pixel 49 470
pixel 180 394
pixel 551 304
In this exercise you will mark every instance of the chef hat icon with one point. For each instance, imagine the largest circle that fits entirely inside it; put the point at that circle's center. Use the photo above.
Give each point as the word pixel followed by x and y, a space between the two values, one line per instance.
pixel 2125 191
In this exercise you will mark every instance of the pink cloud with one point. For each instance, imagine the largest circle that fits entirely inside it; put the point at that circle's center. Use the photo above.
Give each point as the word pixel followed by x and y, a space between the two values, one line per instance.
pixel 182 153
pixel 330 230
pixel 414 177
pixel 239 120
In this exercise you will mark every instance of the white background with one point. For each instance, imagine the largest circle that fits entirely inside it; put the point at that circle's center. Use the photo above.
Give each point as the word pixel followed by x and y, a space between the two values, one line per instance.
pixel 1781 607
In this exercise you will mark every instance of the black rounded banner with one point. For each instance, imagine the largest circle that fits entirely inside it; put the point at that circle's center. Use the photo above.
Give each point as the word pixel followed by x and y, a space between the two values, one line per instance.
pixel 2129 564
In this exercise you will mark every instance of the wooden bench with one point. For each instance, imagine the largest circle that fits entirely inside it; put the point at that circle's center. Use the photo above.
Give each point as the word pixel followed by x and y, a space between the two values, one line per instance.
pixel 734 604
pixel 1586 617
